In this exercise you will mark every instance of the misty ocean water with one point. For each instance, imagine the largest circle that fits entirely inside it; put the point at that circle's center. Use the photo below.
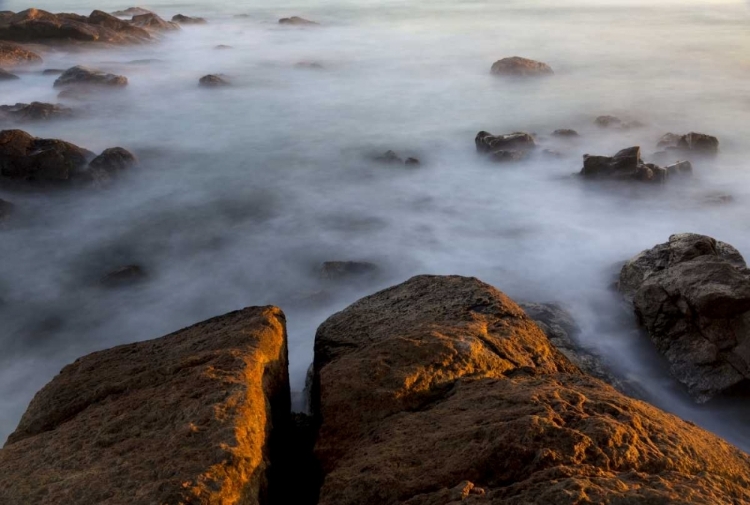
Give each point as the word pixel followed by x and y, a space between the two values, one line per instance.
pixel 242 192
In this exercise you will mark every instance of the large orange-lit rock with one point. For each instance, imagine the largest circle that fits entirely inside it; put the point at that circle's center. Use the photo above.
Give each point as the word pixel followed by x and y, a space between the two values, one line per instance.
pixel 188 418
pixel 442 390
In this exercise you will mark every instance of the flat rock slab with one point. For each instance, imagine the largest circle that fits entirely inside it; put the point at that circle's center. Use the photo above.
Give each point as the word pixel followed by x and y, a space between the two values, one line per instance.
pixel 442 390
pixel 180 419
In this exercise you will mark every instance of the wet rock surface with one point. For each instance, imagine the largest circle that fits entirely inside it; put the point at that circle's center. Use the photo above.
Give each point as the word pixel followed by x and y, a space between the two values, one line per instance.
pixel 84 76
pixel 520 67
pixel 692 295
pixel 627 165
pixel 502 148
pixel 30 159
pixel 442 389
pixel 193 417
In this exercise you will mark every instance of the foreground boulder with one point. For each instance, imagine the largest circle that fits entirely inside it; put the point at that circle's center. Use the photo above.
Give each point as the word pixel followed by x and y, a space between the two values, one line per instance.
pixel 501 148
pixel 699 143
pixel 34 111
pixel 12 55
pixel 192 417
pixel 442 389
pixel 628 165
pixel 84 76
pixel 30 159
pixel 521 67
pixel 35 25
pixel 692 294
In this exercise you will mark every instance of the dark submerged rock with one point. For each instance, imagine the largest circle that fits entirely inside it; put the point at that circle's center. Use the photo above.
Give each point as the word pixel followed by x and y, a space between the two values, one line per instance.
pixel 297 21
pixel 35 111
pixel 53 71
pixel 223 46
pixel 124 276
pixel 84 76
pixel 7 76
pixel 692 294
pixel 212 81
pixel 520 67
pixel 694 143
pixel 30 159
pixel 187 20
pixel 504 148
pixel 342 271
pixel 628 165
pixel 113 160
pixel 6 209
pixel 566 133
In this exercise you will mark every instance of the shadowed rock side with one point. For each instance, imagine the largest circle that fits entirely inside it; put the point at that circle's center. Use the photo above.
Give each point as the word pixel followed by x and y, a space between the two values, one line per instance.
pixel 180 419
pixel 692 294
pixel 442 389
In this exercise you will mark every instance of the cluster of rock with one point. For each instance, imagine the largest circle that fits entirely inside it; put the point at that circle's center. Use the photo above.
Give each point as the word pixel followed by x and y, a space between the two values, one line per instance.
pixel 504 148
pixel 392 158
pixel 25 159
pixel 691 143
pixel 439 390
pixel 84 76
pixel 692 294
pixel 628 165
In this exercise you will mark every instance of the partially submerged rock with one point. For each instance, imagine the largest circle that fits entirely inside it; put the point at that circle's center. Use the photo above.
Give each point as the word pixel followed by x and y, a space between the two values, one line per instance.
pixel 123 276
pixel 84 76
pixel 692 294
pixel 212 81
pixel 628 165
pixel 30 159
pixel 343 271
pixel 6 209
pixel 698 143
pixel 616 123
pixel 392 158
pixel 521 67
pixel 12 55
pixel 187 20
pixel 132 11
pixel 442 389
pixel 34 111
pixel 7 76
pixel 297 21
pixel 193 417
pixel 566 133
pixel 153 22
pixel 109 163
pixel 501 148
pixel 223 46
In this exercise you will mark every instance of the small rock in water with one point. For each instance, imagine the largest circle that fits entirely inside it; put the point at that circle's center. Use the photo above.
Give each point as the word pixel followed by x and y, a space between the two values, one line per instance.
pixel 616 123
pixel 7 76
pixel 717 199
pixel 297 21
pixel 83 76
pixel 6 209
pixel 339 271
pixel 565 132
pixel 693 142
pixel 124 276
pixel 132 11
pixel 310 65
pixel 187 20
pixel 53 71
pixel 223 46
pixel 389 157
pixel 411 161
pixel 520 67
pixel 680 168
pixel 628 165
pixel 241 16
pixel 669 140
pixel 504 148
pixel 212 81
pixel 35 111
pixel 113 160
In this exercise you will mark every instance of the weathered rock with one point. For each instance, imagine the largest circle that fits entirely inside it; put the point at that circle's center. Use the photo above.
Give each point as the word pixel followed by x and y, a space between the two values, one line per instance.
pixel 297 21
pixel 193 417
pixel 565 132
pixel 132 11
pixel 84 76
pixel 692 294
pixel 520 67
pixel 625 165
pixel 501 148
pixel 7 76
pixel 12 55
pixel 187 20
pixel 35 111
pixel 31 159
pixel 343 271
pixel 699 143
pixel 151 21
pixel 212 81
pixel 123 276
pixel 113 23
pixel 114 159
pixel 442 389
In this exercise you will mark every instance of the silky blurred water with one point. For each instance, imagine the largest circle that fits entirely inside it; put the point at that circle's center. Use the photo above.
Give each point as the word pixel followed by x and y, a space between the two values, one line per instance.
pixel 243 191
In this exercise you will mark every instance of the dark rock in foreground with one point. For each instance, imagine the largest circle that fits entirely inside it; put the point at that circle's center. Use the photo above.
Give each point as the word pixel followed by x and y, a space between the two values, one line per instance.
pixel 84 76
pixel 7 76
pixel 212 81
pixel 31 159
pixel 187 20
pixel 692 294
pixel 34 111
pixel 521 67
pixel 194 417
pixel 12 55
pixel 501 148
pixel 297 21
pixel 442 390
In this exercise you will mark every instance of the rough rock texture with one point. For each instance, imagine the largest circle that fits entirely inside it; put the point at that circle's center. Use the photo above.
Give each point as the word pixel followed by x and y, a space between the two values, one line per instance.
pixel 692 294
pixel 80 75
pixel 151 21
pixel 212 81
pixel 442 389
pixel 31 159
pixel 699 143
pixel 35 25
pixel 508 147
pixel 628 165
pixel 520 67
pixel 7 76
pixel 12 55
pixel 34 111
pixel 297 21
pixel 187 20
pixel 181 419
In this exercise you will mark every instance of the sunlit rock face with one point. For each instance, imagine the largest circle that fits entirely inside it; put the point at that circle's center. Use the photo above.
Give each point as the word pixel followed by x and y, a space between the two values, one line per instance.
pixel 187 418
pixel 692 294
pixel 442 389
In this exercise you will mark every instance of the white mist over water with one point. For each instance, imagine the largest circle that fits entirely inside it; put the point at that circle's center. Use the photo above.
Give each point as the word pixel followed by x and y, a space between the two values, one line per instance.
pixel 242 192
